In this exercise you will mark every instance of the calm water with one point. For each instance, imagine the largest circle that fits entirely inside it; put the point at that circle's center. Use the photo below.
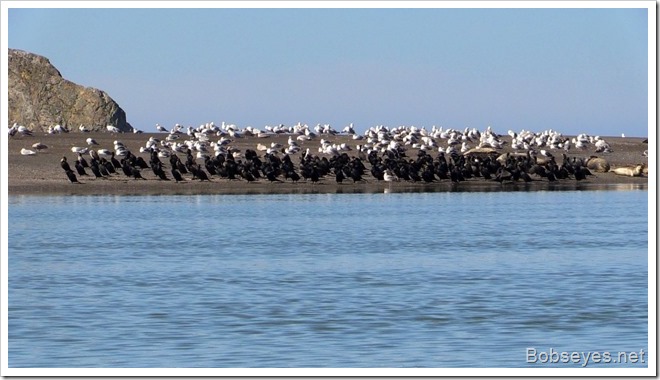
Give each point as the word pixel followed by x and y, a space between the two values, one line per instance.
pixel 326 280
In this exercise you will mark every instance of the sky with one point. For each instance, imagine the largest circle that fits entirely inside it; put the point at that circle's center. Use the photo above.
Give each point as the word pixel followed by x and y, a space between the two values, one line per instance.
pixel 573 70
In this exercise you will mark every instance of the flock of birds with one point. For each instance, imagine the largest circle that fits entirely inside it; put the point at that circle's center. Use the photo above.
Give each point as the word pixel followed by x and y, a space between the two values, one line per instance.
pixel 207 152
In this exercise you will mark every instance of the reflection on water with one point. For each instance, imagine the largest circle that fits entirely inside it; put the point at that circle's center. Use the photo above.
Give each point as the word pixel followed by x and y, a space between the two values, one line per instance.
pixel 370 188
pixel 539 186
pixel 488 187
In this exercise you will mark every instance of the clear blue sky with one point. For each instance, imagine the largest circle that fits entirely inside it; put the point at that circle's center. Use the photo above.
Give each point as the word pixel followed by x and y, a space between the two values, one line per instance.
pixel 572 70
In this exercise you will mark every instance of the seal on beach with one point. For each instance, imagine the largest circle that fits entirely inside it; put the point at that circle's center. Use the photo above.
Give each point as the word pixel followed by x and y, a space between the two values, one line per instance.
pixel 598 164
pixel 630 172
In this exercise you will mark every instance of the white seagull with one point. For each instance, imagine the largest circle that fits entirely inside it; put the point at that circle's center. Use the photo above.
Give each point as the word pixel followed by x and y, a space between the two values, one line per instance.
pixel 113 129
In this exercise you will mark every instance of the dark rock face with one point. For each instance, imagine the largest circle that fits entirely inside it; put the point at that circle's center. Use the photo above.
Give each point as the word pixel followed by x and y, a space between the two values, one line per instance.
pixel 40 98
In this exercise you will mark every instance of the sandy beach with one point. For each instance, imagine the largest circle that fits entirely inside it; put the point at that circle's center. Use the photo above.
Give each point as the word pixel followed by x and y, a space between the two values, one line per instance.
pixel 42 174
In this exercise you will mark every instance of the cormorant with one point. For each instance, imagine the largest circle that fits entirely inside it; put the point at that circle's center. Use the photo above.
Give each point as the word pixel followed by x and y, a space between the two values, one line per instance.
pixel 72 176
pixel 80 168
pixel 201 174
pixel 177 176
pixel 272 177
pixel 136 173
pixel 65 165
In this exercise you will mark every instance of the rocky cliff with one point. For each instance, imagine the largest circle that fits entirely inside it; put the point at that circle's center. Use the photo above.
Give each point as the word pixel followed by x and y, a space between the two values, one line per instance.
pixel 39 97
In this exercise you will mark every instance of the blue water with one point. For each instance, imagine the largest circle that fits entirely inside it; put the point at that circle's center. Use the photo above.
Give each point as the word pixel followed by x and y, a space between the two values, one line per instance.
pixel 326 280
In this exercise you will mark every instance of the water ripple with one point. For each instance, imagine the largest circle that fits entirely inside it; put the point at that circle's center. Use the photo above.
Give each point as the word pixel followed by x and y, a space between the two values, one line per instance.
pixel 327 280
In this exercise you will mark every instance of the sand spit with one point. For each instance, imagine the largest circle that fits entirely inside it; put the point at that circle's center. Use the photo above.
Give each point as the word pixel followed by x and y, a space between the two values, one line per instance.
pixel 42 174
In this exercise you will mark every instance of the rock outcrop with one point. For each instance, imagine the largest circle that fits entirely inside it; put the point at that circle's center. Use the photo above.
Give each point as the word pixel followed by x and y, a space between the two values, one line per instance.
pixel 40 98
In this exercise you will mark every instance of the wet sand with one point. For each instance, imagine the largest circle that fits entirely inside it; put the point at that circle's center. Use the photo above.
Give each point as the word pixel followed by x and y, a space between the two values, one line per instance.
pixel 42 174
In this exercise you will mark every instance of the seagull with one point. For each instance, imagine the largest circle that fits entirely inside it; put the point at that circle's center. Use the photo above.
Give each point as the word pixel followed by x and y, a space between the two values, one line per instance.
pixel 113 129
pixel 24 131
pixel 28 152
pixel 39 146
pixel 91 141
pixel 79 149
pixel 13 130
pixel 104 152
pixel 389 177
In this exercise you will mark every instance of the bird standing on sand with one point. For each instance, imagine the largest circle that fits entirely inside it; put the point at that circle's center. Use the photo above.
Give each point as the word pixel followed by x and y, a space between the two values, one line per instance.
pixel 80 168
pixel 201 174
pixel 136 173
pixel 389 177
pixel 65 165
pixel 71 176
pixel 177 176
pixel 94 155
pixel 82 161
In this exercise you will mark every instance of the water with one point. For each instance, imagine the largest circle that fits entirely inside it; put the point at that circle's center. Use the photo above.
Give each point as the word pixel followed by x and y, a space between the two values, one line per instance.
pixel 326 280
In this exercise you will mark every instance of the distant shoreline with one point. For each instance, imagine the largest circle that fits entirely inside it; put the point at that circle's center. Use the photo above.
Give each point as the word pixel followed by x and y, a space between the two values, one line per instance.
pixel 42 174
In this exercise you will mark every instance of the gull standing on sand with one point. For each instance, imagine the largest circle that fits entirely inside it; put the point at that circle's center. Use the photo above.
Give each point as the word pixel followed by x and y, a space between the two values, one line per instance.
pixel 388 176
